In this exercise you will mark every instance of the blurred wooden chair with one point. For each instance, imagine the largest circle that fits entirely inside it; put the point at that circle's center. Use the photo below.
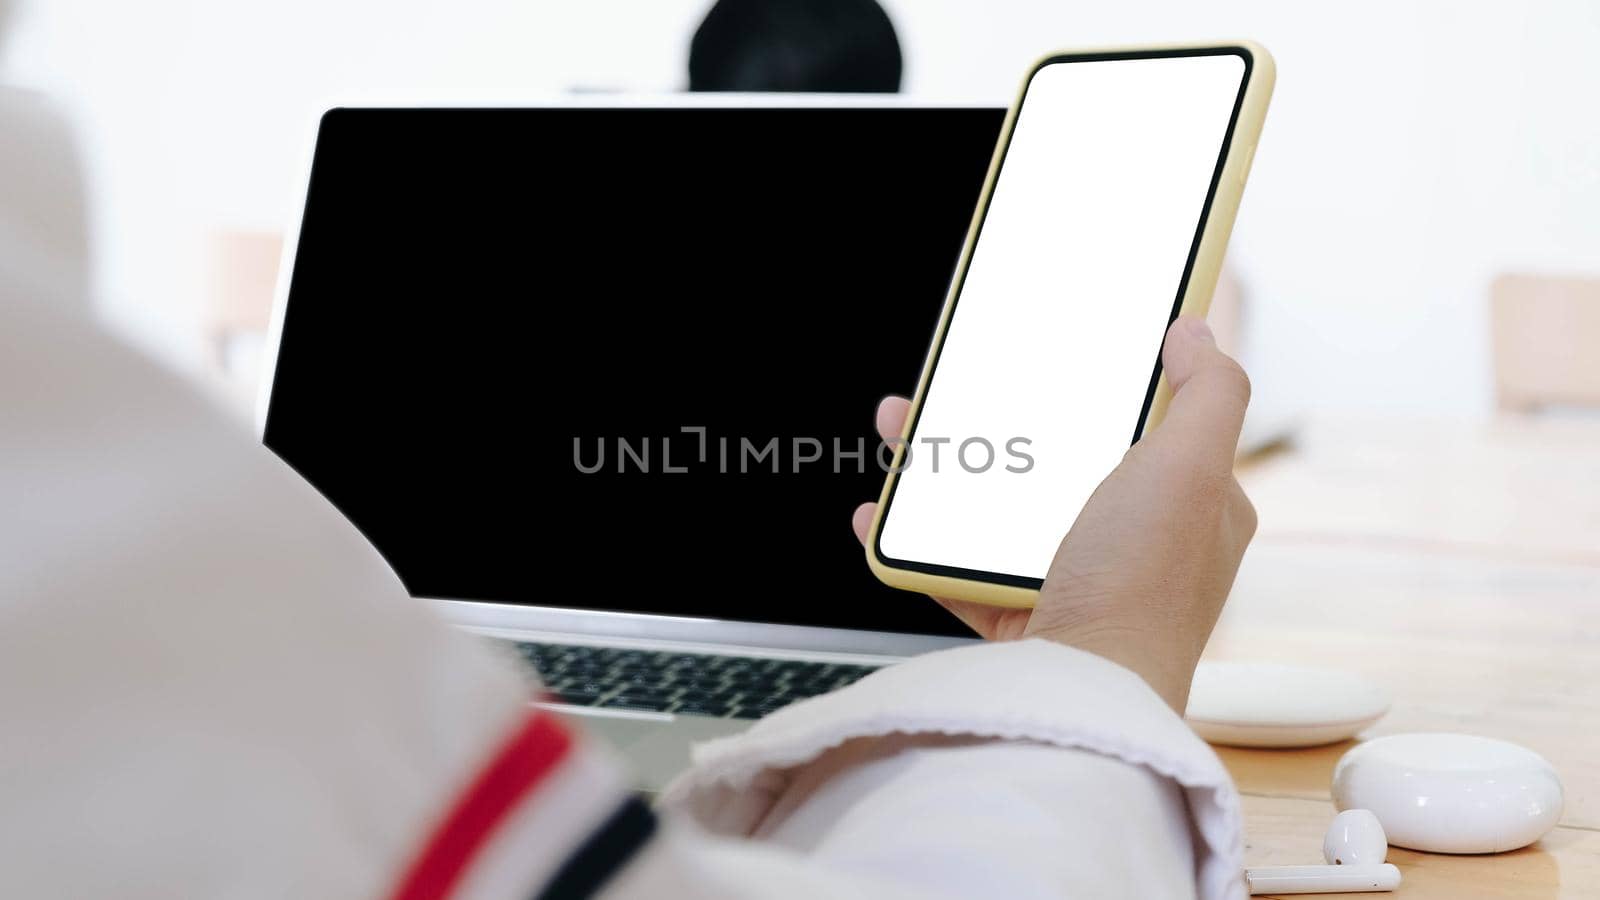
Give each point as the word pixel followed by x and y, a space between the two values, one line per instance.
pixel 1546 337
pixel 242 276
pixel 1227 314
pixel 1269 427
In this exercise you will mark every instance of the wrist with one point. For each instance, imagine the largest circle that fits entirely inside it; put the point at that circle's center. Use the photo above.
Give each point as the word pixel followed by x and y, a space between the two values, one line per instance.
pixel 1168 672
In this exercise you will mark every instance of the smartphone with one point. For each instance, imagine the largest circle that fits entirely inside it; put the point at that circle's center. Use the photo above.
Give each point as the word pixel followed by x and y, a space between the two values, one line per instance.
pixel 1105 216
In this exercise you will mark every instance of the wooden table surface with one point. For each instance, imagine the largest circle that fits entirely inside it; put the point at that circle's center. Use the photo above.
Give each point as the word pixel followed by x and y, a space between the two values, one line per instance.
pixel 1457 563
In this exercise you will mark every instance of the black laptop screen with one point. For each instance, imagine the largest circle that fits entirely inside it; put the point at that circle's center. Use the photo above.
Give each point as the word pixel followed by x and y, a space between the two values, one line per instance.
pixel 486 305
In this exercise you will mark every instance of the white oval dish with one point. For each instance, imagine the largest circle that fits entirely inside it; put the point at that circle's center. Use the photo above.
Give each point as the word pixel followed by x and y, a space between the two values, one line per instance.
pixel 1451 793
pixel 1271 705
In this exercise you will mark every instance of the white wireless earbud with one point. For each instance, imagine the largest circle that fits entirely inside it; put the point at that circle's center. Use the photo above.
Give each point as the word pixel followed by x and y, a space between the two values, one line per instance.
pixel 1355 838
pixel 1354 847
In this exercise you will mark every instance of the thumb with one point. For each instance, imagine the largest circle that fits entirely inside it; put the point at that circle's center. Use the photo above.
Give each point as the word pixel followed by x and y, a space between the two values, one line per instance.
pixel 1210 393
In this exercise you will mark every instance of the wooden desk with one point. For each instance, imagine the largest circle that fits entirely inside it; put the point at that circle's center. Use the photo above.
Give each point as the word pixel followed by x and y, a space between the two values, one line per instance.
pixel 1459 564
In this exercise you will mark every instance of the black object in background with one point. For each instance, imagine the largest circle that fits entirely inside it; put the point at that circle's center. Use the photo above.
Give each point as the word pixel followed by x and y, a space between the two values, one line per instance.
pixel 823 46
pixel 475 290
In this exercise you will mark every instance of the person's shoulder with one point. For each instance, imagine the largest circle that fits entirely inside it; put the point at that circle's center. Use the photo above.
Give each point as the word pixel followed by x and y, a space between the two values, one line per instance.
pixel 28 114
pixel 44 218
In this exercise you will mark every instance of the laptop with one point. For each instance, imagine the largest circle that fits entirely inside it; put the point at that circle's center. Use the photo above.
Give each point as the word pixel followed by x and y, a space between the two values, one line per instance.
pixel 600 379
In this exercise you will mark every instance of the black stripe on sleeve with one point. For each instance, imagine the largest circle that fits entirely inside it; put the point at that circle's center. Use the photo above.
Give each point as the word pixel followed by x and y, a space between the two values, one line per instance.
pixel 606 851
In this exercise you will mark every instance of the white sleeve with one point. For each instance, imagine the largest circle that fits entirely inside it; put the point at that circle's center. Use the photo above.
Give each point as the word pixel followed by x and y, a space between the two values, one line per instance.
pixel 989 819
pixel 1025 769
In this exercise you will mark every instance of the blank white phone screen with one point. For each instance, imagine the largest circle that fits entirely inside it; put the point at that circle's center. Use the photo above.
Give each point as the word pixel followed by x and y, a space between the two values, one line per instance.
pixel 1058 325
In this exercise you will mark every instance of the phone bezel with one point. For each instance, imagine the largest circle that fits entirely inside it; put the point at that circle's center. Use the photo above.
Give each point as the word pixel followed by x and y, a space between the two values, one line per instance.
pixel 1005 589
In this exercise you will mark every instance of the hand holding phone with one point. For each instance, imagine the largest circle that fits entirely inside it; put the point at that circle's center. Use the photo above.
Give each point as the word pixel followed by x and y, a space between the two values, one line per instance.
pixel 1141 577
pixel 1106 213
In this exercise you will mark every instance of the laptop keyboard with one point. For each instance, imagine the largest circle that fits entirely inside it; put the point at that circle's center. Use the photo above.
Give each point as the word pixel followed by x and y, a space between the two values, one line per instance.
pixel 737 687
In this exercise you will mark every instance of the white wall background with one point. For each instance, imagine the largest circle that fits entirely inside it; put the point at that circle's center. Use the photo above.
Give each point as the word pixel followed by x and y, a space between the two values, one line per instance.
pixel 1413 149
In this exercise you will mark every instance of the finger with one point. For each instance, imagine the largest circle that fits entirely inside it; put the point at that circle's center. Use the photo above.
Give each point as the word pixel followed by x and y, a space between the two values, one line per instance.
pixel 976 616
pixel 1210 393
pixel 892 412
pixel 861 522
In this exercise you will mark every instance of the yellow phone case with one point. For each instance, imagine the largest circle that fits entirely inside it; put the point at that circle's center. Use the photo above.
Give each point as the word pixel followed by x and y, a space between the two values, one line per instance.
pixel 1260 77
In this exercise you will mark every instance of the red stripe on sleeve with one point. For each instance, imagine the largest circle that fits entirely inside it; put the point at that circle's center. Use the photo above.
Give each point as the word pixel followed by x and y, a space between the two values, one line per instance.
pixel 527 756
